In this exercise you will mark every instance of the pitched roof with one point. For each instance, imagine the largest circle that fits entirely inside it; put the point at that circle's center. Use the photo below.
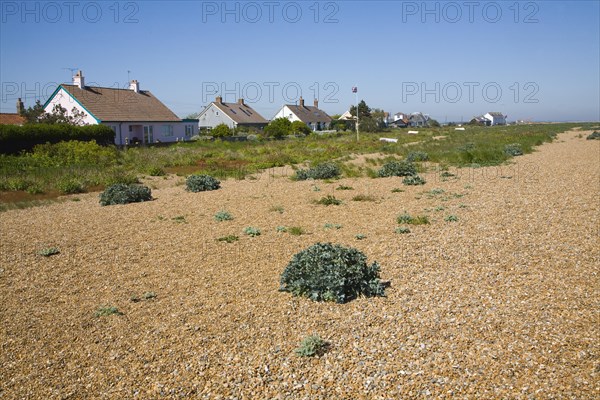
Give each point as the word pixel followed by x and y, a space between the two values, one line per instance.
pixel 308 114
pixel 241 113
pixel 110 104
pixel 11 119
pixel 496 114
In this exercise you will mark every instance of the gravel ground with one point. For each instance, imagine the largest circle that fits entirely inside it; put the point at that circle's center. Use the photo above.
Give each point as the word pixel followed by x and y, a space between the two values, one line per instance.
pixel 502 303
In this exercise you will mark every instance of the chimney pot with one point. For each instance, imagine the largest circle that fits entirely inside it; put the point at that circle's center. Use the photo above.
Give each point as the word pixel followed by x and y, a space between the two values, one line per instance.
pixel 134 85
pixel 316 103
pixel 219 100
pixel 241 101
pixel 301 102
pixel 79 80
pixel 20 106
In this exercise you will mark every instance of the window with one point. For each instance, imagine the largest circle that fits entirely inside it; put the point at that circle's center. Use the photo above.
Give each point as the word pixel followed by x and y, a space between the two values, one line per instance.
pixel 167 130
pixel 148 134
pixel 130 128
pixel 189 131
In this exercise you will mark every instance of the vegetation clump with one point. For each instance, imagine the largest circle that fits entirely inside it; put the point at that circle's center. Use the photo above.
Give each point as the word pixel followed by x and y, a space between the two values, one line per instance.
pixel 228 239
pixel 397 168
pixel 321 171
pixel 223 216
pixel 311 346
pixel 50 251
pixel 252 231
pixel 513 149
pixel 121 193
pixel 417 156
pixel 329 200
pixel 328 272
pixel 106 311
pixel 410 220
pixel 594 136
pixel 413 180
pixel 201 183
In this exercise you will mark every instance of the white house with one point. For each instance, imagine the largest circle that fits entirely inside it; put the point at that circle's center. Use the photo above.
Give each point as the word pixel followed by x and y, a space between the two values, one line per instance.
pixel 347 116
pixel 315 118
pixel 135 115
pixel 495 118
pixel 400 119
pixel 230 114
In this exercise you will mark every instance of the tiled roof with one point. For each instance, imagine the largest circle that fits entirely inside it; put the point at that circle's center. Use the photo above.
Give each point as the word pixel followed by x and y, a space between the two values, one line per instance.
pixel 11 119
pixel 308 114
pixel 115 105
pixel 241 113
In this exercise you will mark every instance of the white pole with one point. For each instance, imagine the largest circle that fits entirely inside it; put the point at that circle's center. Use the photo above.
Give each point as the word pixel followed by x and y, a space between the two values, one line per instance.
pixel 356 99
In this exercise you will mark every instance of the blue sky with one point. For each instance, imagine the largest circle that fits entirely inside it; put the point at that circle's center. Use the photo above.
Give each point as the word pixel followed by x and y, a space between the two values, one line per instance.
pixel 451 60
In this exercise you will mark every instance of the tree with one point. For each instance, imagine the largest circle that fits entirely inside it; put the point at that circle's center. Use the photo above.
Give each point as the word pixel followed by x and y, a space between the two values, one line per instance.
pixel 32 114
pixel 433 123
pixel 220 130
pixel 278 128
pixel 59 115
pixel 300 128
pixel 363 110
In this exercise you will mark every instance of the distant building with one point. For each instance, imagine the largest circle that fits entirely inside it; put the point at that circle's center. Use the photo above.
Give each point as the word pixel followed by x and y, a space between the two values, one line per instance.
pixel 495 118
pixel 347 117
pixel 14 118
pixel 418 119
pixel 230 114
pixel 135 115
pixel 400 120
pixel 315 118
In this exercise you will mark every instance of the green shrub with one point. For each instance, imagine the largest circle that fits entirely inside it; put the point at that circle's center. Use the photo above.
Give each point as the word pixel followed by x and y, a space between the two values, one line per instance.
pixel 451 218
pixel 417 156
pixel 50 251
pixel 328 272
pixel 594 136
pixel 70 186
pixel 414 180
pixel 221 130
pixel 280 229
pixel 252 231
pixel 107 310
pixel 311 346
pixel 121 193
pixel 228 239
pixel 343 187
pixel 397 168
pixel 328 201
pixel 296 230
pixel 360 236
pixel 201 183
pixel 513 149
pixel 156 171
pixel 402 230
pixel 410 220
pixel 363 197
pixel 332 226
pixel 223 216
pixel 321 171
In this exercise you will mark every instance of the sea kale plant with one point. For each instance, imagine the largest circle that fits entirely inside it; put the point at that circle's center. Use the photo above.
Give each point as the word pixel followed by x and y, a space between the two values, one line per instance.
pixel 201 183
pixel 321 171
pixel 121 193
pixel 397 168
pixel 330 272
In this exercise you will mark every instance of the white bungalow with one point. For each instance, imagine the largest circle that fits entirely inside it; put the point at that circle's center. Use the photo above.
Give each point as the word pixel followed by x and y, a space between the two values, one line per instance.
pixel 315 118
pixel 495 118
pixel 230 114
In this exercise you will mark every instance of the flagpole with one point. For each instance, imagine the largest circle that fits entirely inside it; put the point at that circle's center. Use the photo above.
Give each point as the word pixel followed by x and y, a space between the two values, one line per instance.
pixel 355 90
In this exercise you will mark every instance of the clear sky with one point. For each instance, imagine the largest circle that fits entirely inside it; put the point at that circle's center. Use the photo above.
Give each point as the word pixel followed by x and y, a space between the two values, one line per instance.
pixel 537 60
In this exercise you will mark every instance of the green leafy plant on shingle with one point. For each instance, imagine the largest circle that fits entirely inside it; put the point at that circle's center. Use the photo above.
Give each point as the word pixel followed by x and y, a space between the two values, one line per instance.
pixel 593 136
pixel 413 180
pixel 410 220
pixel 513 149
pixel 402 230
pixel 451 218
pixel 321 171
pixel 329 200
pixel 296 230
pixel 417 156
pixel 312 346
pixel 281 229
pixel 277 208
pixel 201 183
pixel 106 311
pixel 397 168
pixel 252 231
pixel 330 272
pixel 360 236
pixel 363 197
pixel 121 193
pixel 49 251
pixel 344 187
pixel 228 239
pixel 329 225
pixel 223 216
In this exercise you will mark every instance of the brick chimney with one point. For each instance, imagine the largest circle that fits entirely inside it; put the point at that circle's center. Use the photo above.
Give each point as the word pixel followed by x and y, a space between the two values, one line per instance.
pixel 20 106
pixel 134 85
pixel 316 103
pixel 79 80
pixel 219 100
pixel 241 102
pixel 301 102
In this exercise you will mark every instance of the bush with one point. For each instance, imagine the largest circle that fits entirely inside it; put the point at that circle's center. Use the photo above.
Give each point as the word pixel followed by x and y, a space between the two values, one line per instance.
pixel 321 171
pixel 278 128
pixel 410 220
pixel 300 128
pixel 594 136
pixel 329 200
pixel 70 186
pixel 15 139
pixel 74 152
pixel 513 149
pixel 417 156
pixel 311 346
pixel 397 168
pixel 414 180
pixel 121 193
pixel 223 216
pixel 328 272
pixel 252 231
pixel 201 183
pixel 220 130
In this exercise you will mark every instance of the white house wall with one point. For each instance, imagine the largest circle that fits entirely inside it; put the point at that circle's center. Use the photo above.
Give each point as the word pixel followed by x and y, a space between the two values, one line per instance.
pixel 64 99
pixel 125 135
pixel 212 117
pixel 285 112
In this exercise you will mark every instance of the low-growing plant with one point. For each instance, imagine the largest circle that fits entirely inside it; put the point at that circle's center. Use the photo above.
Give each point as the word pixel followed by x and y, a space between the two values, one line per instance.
pixel 332 226
pixel 149 295
pixel 180 219
pixel 121 193
pixel 320 171
pixel 315 188
pixel 252 231
pixel 513 149
pixel 344 187
pixel 223 216
pixel 446 174
pixel 397 190
pixel 360 236
pixel 296 230
pixel 329 200
pixel 328 272
pixel 228 239
pixel 281 229
pixel 593 136
pixel 70 186
pixel 49 251
pixel 413 180
pixel 397 168
pixel 311 346
pixel 363 197
pixel 410 220
pixel 417 156
pixel 156 171
pixel 439 208
pixel 402 230
pixel 278 209
pixel 451 218
pixel 201 183
pixel 107 310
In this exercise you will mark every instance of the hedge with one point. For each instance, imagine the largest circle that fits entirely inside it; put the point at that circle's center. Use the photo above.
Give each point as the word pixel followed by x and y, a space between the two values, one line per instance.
pixel 15 139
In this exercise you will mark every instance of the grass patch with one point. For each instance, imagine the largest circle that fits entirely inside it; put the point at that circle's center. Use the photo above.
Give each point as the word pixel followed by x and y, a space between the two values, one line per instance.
pixel 410 220
pixel 228 239
pixel 344 187
pixel 106 311
pixel 451 218
pixel 363 197
pixel 328 200
pixel 277 208
pixel 296 230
